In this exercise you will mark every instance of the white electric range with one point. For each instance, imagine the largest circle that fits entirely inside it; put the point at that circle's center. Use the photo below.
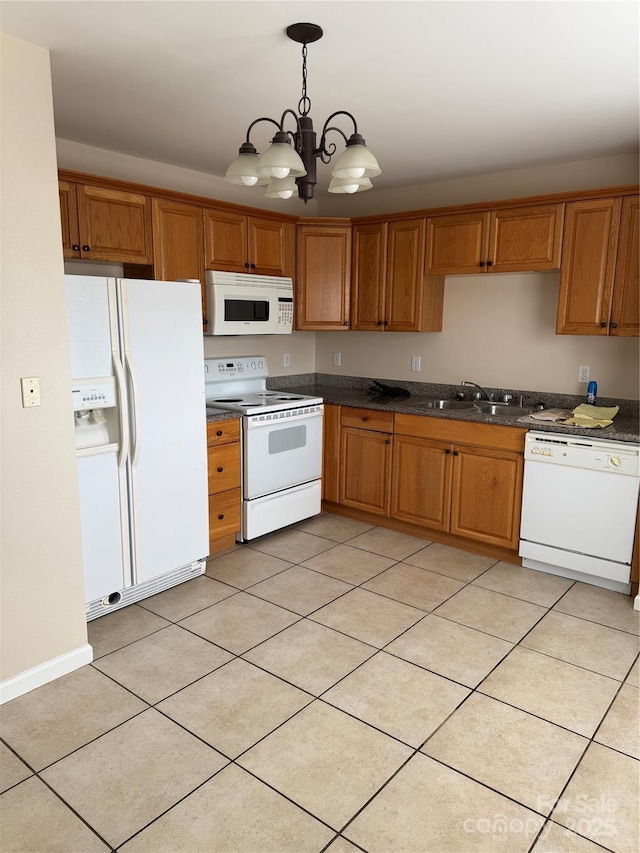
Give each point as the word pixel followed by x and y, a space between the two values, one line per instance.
pixel 281 443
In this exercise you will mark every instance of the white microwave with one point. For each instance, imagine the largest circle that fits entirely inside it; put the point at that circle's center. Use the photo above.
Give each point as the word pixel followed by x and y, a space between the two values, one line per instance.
pixel 242 304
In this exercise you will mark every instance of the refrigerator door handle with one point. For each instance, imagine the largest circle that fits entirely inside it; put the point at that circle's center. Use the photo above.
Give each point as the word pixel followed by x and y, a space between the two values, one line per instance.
pixel 118 369
pixel 135 409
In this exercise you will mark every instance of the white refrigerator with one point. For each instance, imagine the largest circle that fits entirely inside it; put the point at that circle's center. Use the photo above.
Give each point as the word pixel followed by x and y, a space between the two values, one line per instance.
pixel 139 409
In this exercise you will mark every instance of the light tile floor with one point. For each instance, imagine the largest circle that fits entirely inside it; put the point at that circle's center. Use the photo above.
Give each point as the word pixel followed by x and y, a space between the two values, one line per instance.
pixel 338 687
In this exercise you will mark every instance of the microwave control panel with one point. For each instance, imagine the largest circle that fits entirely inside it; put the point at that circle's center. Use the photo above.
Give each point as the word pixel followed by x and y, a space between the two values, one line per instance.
pixel 285 312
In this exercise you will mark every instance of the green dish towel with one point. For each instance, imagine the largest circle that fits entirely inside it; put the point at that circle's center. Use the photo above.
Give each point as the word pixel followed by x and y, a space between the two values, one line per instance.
pixel 589 416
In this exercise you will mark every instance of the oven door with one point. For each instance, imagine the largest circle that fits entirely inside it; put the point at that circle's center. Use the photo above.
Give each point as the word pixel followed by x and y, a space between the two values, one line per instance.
pixel 281 449
pixel 238 310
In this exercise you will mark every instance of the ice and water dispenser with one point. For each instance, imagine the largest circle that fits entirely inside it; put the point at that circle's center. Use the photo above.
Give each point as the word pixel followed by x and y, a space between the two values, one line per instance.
pixel 95 412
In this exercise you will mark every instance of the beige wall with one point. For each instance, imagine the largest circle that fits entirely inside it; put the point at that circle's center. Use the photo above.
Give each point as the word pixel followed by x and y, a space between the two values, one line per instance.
pixel 498 330
pixel 42 586
pixel 299 345
pixel 565 177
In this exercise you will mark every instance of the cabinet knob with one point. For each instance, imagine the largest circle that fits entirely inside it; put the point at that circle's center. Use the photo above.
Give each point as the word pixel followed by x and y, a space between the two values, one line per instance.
pixel 246 263
pixel 205 322
pixel 378 322
pixel 386 323
pixel 365 418
pixel 481 263
pixel 218 432
pixel 221 516
pixel 614 325
pixel 220 470
pixel 346 323
pixel 253 266
pixel 388 441
pixel 455 453
pixel 489 263
pixel 603 325
pixel 86 248
pixel 76 248
pixel 447 450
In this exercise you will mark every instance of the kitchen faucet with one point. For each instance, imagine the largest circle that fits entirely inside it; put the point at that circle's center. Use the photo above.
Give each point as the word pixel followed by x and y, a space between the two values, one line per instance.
pixel 480 388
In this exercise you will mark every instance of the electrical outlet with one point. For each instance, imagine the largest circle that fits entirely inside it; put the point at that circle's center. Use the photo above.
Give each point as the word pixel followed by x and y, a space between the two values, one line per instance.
pixel 286 359
pixel 415 363
pixel 583 373
pixel 30 391
pixel 337 359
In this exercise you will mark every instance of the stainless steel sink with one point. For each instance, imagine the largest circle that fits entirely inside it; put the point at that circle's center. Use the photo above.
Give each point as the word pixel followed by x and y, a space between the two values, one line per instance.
pixel 448 404
pixel 503 410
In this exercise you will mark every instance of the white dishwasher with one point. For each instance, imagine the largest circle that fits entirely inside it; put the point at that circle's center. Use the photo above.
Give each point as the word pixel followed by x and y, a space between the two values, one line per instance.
pixel 579 507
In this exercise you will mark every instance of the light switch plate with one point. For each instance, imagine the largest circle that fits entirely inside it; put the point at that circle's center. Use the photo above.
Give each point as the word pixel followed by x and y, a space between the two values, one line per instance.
pixel 337 359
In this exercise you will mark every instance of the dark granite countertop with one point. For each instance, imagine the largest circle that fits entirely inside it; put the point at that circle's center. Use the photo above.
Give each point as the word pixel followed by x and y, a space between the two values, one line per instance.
pixel 625 427
pixel 221 415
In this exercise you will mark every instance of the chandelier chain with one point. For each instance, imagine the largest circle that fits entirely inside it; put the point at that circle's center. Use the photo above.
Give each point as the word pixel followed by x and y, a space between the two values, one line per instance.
pixel 304 104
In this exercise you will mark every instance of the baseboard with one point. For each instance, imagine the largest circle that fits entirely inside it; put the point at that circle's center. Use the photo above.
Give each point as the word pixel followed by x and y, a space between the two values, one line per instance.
pixel 44 673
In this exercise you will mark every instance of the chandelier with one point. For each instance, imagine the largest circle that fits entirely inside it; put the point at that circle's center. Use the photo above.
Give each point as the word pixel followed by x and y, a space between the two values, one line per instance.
pixel 290 161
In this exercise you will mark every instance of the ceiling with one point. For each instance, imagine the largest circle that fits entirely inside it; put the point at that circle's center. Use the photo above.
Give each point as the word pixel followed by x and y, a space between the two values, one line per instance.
pixel 440 90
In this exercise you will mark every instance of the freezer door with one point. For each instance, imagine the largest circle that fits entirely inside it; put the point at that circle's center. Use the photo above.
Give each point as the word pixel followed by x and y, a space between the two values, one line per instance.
pixel 93 330
pixel 104 526
pixel 164 365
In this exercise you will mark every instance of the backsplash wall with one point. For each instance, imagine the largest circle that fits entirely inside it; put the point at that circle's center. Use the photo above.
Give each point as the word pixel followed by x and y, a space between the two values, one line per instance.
pixel 498 330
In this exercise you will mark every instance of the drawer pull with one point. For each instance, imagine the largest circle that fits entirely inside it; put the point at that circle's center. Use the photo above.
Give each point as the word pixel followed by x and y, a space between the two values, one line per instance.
pixel 218 432
pixel 220 470
pixel 364 418
pixel 221 516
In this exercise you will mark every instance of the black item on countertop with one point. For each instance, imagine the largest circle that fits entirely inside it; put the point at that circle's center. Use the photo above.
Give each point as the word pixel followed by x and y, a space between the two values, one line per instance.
pixel 377 389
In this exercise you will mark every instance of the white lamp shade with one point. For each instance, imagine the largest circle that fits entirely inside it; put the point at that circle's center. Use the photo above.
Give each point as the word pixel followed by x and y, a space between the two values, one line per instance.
pixel 282 187
pixel 280 160
pixel 243 171
pixel 349 185
pixel 356 161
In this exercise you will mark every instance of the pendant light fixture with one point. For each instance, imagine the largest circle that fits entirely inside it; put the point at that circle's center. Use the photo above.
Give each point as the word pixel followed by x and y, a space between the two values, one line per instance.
pixel 290 161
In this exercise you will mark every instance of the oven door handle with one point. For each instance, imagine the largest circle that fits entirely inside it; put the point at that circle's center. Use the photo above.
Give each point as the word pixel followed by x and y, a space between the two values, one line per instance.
pixel 252 422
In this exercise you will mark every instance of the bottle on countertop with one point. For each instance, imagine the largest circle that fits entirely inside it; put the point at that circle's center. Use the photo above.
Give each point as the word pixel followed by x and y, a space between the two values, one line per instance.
pixel 592 393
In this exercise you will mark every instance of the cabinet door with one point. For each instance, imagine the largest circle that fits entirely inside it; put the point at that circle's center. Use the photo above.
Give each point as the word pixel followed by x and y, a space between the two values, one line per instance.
pixel 486 496
pixel 588 266
pixel 369 270
pixel 271 247
pixel 457 244
pixel 331 454
pixel 405 270
pixel 527 239
pixel 69 219
pixel 225 241
pixel 177 243
pixel 366 467
pixel 625 311
pixel 114 225
pixel 323 273
pixel 421 488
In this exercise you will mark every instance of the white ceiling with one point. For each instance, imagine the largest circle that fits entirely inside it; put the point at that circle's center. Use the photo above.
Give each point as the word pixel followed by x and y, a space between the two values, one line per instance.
pixel 439 89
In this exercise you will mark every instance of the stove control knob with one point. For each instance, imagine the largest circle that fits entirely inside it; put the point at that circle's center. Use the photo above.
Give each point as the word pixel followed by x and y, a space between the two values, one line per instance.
pixel 253 365
pixel 260 365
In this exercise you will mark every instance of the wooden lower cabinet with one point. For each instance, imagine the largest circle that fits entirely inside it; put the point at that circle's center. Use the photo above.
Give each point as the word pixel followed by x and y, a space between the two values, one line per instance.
pixel 331 453
pixel 223 460
pixel 421 492
pixel 486 495
pixel 365 481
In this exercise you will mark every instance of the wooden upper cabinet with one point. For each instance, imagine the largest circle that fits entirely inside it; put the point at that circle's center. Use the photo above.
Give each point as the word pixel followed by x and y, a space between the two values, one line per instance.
pixel 177 240
pixel 625 309
pixel 529 238
pixel 389 289
pixel 511 240
pixel 457 244
pixel 238 243
pixel 588 266
pixel 114 225
pixel 369 275
pixel 69 219
pixel 323 273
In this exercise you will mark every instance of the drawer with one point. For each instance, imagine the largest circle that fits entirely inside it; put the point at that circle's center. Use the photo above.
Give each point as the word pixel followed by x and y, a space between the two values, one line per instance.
pixel 224 467
pixel 222 432
pixel 367 419
pixel 224 514
pixel 461 432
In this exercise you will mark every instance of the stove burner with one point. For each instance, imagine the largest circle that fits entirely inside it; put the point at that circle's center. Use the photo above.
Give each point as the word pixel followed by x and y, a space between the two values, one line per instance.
pixel 227 400
pixel 288 398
